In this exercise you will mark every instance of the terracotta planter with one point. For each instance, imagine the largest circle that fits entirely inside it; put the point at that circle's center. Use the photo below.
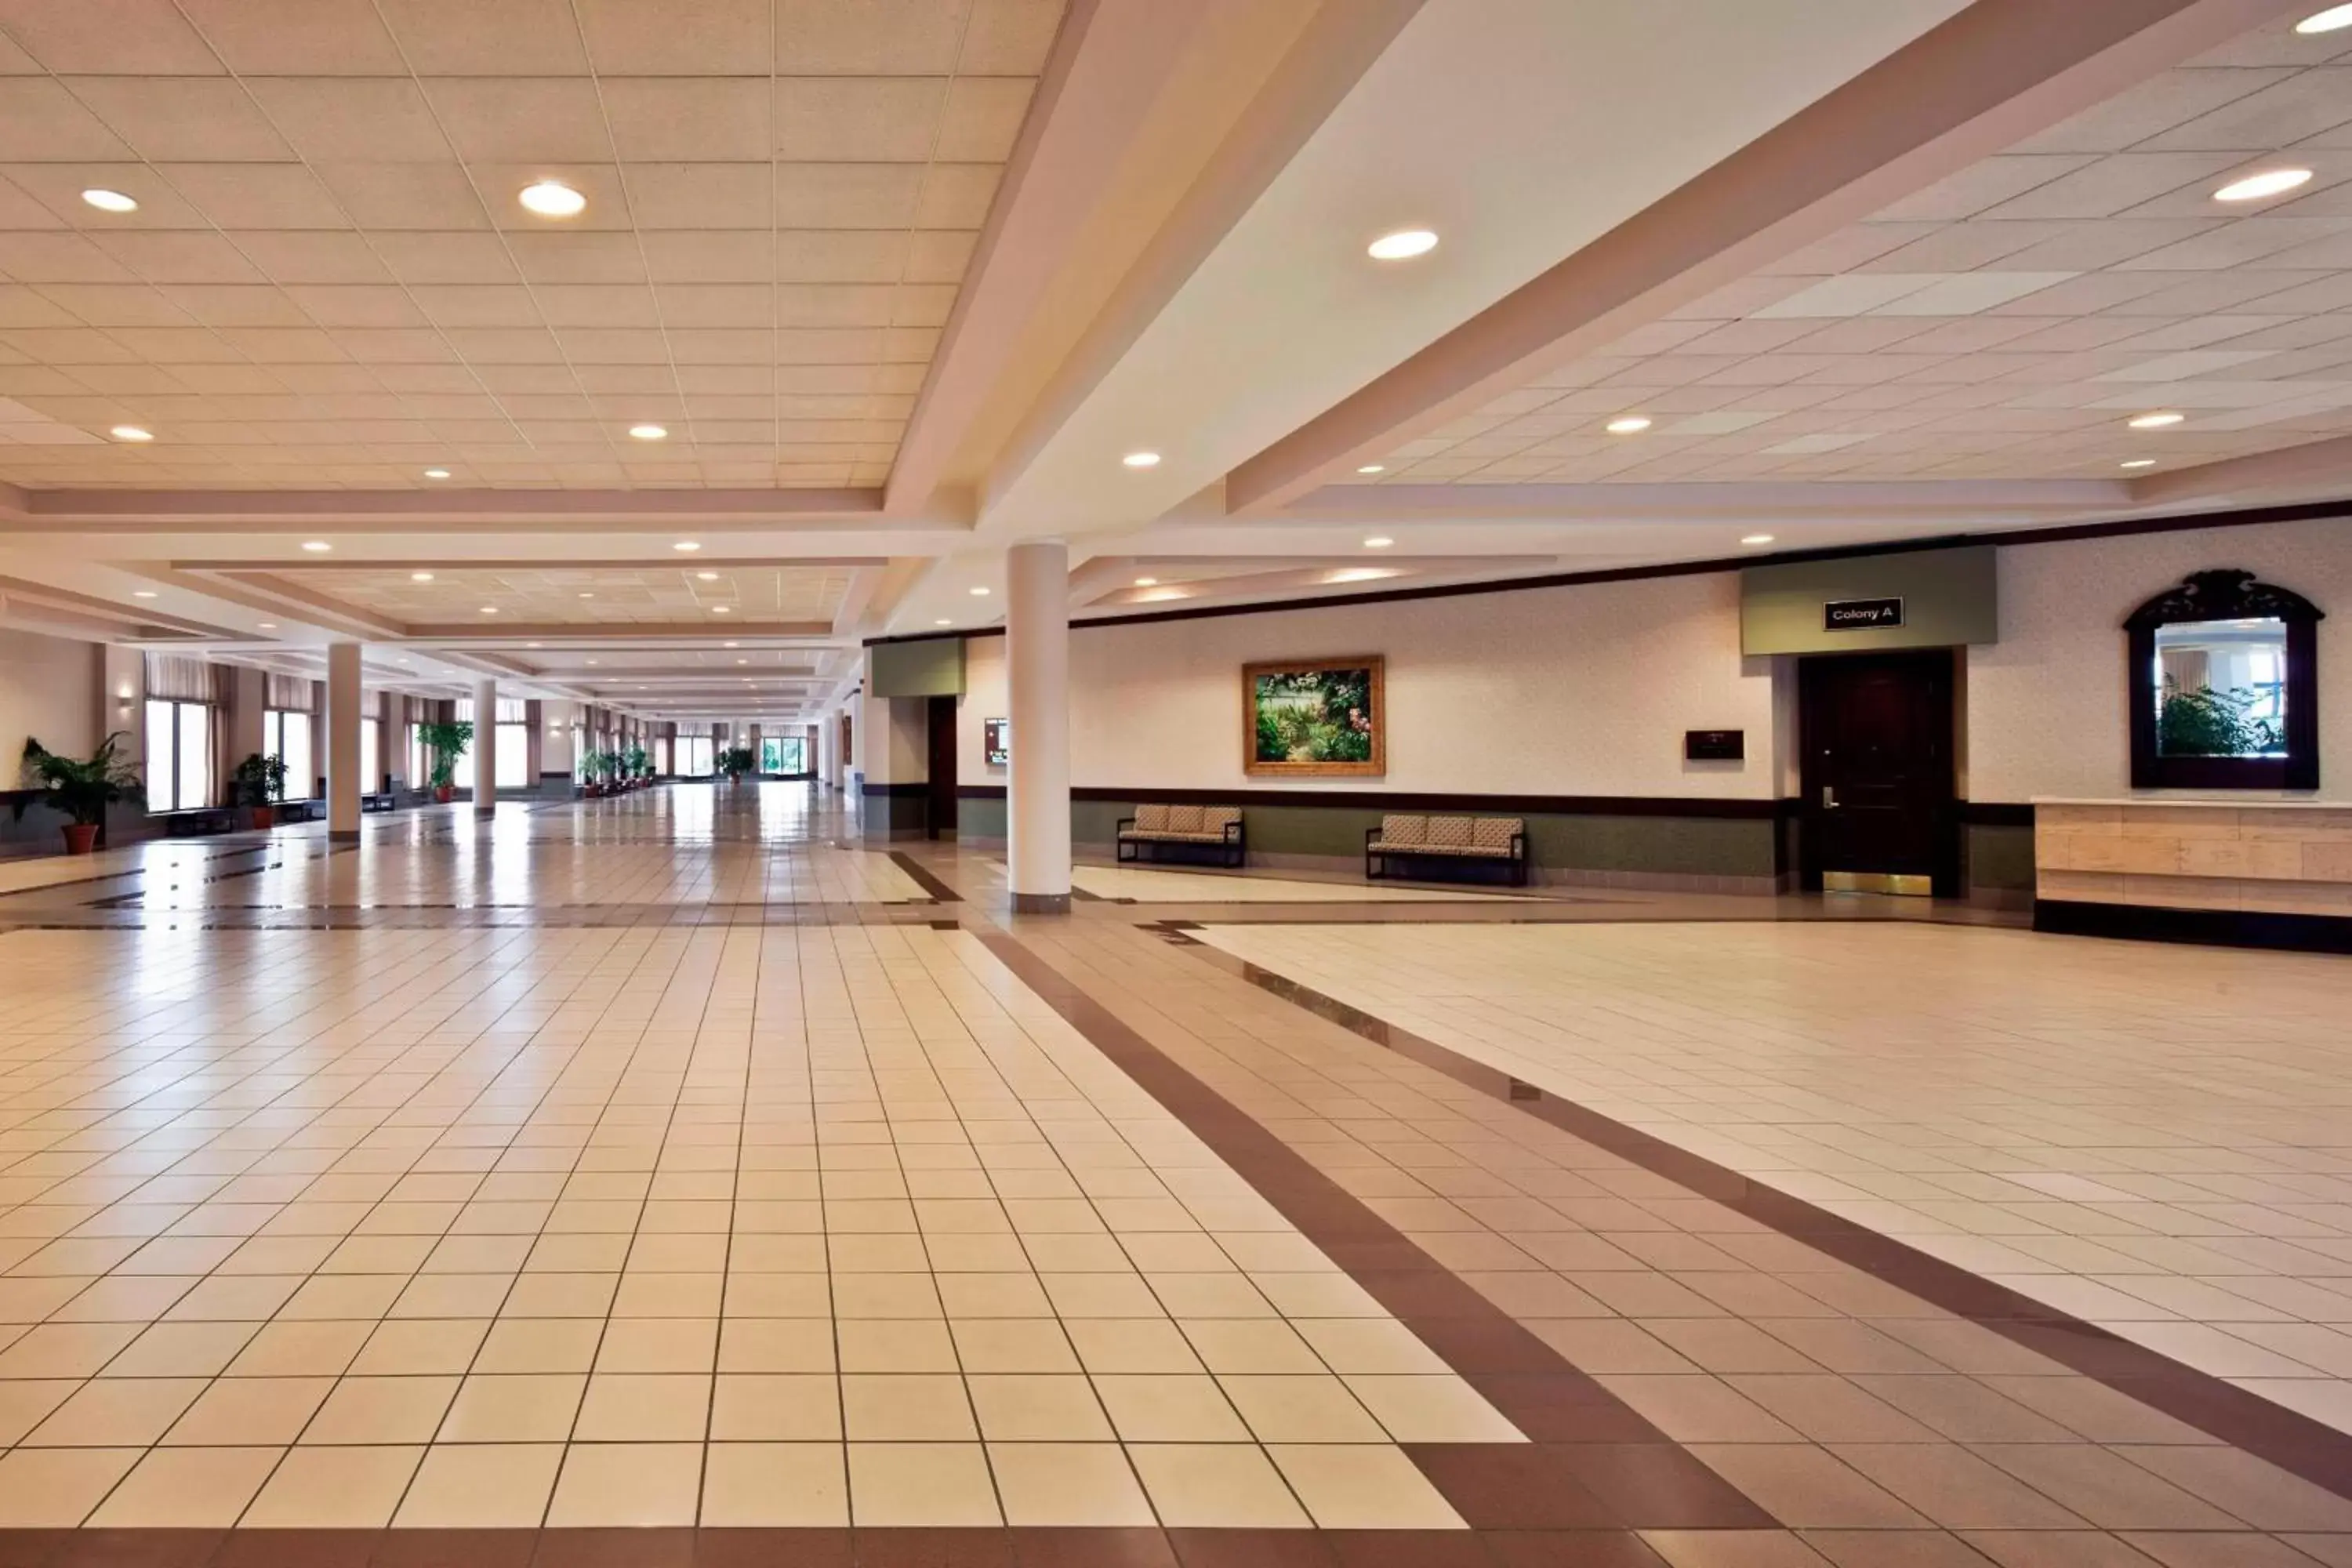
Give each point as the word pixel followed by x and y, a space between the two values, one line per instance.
pixel 444 794
pixel 81 837
pixel 265 818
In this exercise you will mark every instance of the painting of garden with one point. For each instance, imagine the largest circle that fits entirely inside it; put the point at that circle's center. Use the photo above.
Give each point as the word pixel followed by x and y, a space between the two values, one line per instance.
pixel 1316 716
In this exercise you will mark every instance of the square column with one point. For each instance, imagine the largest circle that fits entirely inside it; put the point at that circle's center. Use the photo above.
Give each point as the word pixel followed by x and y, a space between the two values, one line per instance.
pixel 1037 653
pixel 485 746
pixel 344 785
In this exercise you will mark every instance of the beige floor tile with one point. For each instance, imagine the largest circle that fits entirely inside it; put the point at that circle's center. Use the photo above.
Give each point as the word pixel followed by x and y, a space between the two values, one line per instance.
pixel 529 1407
pixel 764 1408
pixel 26 1403
pixel 541 1345
pixel 56 1487
pixel 1068 1484
pixel 778 1295
pixel 1217 1486
pixel 1432 1409
pixel 627 1484
pixel 334 1488
pixel 117 1413
pixel 1353 1485
pixel 1314 1409
pixel 902 1407
pixel 647 1295
pixel 776 1344
pixel 775 1485
pixel 65 1350
pixel 1012 1345
pixel 1169 1408
pixel 182 1350
pixel 1108 1345
pixel 644 1407
pixel 381 1410
pixel 187 1489
pixel 302 1349
pixel 1372 1345
pixel 402 1348
pixel 1249 1345
pixel 658 1344
pixel 481 1485
pixel 921 1484
pixel 897 1345
pixel 1028 1408
pixel 254 1411
pixel 560 1296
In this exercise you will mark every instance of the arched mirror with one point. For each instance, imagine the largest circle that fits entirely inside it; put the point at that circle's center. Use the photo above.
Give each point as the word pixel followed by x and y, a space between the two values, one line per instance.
pixel 2225 686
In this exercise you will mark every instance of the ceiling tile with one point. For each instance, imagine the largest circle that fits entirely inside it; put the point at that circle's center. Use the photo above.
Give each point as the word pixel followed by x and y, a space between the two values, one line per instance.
pixel 871 38
pixel 586 255
pixel 86 37
pixel 40 121
pixel 866 120
pixel 297 38
pixel 339 119
pixel 521 120
pixel 982 118
pixel 871 195
pixel 259 196
pixel 957 195
pixel 700 198
pixel 426 195
pixel 180 256
pixel 653 38
pixel 171 119
pixel 314 258
pixel 709 118
pixel 470 38
pixel 426 257
pixel 58 187
pixel 841 255
pixel 1010 38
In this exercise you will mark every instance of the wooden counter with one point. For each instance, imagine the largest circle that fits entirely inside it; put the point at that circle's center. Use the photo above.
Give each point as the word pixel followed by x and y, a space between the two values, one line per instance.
pixel 2262 872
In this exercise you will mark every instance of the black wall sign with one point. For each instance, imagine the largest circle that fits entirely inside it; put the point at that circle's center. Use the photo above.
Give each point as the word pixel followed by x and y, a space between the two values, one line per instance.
pixel 1715 745
pixel 1861 614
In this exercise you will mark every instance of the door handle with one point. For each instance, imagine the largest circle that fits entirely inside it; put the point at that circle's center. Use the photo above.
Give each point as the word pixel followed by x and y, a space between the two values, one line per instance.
pixel 1829 798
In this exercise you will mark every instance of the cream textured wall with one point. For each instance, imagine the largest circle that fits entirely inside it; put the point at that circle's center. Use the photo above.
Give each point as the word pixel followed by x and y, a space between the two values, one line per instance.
pixel 49 689
pixel 2046 703
pixel 1578 690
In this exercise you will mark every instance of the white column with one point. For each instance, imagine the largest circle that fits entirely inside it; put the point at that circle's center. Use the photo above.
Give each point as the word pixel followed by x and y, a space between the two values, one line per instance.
pixel 486 745
pixel 1037 651
pixel 344 785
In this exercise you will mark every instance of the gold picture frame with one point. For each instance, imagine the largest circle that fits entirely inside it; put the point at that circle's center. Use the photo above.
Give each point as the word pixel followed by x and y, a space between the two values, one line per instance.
pixel 1316 713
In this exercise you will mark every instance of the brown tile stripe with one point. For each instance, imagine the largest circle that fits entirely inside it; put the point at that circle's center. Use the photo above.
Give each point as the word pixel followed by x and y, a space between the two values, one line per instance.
pixel 921 877
pixel 1002 1547
pixel 1592 1463
pixel 2293 1442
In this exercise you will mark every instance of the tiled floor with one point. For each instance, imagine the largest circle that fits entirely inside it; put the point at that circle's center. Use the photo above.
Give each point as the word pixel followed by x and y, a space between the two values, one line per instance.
pixel 1150 885
pixel 859 1210
pixel 2156 1139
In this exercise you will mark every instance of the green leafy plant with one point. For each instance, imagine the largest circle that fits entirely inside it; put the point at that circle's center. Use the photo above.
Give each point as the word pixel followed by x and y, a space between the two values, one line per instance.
pixel 447 743
pixel 636 763
pixel 2203 722
pixel 736 761
pixel 257 781
pixel 82 788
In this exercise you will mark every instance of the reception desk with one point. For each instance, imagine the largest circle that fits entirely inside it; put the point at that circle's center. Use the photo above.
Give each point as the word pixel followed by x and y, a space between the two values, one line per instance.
pixel 2258 873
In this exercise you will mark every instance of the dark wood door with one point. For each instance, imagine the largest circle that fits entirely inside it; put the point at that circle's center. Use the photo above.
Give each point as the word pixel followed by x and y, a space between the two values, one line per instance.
pixel 1879 807
pixel 939 818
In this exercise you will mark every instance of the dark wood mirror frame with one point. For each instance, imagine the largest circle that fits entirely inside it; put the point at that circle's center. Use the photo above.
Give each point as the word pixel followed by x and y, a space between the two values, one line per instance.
pixel 2227 595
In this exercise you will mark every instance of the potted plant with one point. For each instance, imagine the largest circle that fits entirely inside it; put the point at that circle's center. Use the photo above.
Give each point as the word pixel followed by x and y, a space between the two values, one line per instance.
pixel 737 762
pixel 257 782
pixel 447 743
pixel 633 761
pixel 82 788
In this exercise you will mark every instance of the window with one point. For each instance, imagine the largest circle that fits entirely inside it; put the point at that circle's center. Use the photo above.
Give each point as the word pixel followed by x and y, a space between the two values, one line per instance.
pixel 786 754
pixel 420 765
pixel 371 755
pixel 179 755
pixel 2224 681
pixel 694 756
pixel 285 735
pixel 660 753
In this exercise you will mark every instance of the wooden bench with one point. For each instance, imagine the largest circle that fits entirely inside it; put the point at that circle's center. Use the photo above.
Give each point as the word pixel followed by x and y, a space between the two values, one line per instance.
pixel 198 820
pixel 381 800
pixel 1211 827
pixel 1480 840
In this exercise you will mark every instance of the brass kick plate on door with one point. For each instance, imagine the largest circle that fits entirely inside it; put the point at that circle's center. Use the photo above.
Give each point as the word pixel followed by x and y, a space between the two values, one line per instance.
pixel 1909 885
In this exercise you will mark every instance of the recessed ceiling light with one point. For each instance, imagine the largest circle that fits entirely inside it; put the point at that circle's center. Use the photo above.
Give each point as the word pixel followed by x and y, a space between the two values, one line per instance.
pixel 1404 245
pixel 1373 468
pixel 2138 463
pixel 743 661
pixel 587 595
pixel 1359 573
pixel 107 201
pixel 685 544
pixel 942 623
pixel 420 576
pixel 734 645
pixel 551 198
pixel 437 473
pixel 534 644
pixel 979 593
pixel 1626 425
pixel 1141 459
pixel 718 609
pixel 1755 539
pixel 143 592
pixel 1379 542
pixel 489 609
pixel 268 626
pixel 649 432
pixel 592 661
pixel 131 432
pixel 317 546
pixel 2333 19
pixel 1147 582
pixel 706 576
pixel 2269 182
pixel 2154 421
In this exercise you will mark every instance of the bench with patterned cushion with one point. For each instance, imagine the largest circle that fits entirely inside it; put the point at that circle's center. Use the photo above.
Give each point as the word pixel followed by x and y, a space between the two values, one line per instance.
pixel 1216 828
pixel 1496 840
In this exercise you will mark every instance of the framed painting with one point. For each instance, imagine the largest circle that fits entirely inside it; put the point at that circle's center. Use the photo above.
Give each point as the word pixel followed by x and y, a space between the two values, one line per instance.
pixel 996 742
pixel 1315 718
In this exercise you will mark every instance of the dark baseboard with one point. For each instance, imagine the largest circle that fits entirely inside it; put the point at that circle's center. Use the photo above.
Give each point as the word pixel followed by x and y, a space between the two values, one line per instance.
pixel 1737 807
pixel 2212 928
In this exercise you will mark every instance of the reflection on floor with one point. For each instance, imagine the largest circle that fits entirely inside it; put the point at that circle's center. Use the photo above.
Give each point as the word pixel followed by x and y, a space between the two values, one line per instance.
pixel 2154 1139
pixel 1157 885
